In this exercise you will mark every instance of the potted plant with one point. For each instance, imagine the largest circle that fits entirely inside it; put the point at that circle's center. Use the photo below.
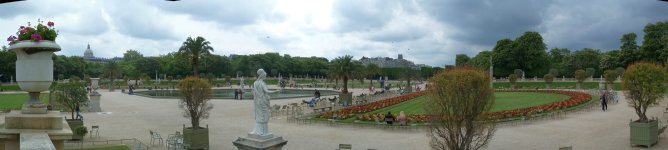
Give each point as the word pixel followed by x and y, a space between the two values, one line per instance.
pixel 512 78
pixel 580 76
pixel 548 78
pixel 195 96
pixel 70 96
pixel 34 47
pixel 79 132
pixel 645 86
pixel 610 77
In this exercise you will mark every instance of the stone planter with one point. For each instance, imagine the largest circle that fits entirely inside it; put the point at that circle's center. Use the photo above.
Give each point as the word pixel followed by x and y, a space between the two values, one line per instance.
pixel 346 98
pixel 34 70
pixel 196 139
pixel 73 124
pixel 644 133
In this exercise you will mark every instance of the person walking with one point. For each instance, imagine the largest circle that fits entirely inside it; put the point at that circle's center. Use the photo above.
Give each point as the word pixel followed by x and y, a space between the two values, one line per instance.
pixel 604 100
pixel 78 110
pixel 236 93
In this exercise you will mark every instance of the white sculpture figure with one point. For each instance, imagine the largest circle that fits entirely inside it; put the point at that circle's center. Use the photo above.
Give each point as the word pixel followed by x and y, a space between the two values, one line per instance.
pixel 261 99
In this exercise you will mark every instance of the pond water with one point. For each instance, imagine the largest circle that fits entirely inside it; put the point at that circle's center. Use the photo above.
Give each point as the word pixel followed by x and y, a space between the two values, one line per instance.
pixel 229 93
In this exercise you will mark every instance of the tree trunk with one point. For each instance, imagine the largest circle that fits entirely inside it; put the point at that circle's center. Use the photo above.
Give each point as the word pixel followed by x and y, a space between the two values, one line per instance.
pixel 195 67
pixel 345 85
pixel 371 82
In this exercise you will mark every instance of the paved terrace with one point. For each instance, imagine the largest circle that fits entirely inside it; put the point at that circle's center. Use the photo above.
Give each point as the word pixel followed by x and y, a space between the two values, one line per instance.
pixel 132 116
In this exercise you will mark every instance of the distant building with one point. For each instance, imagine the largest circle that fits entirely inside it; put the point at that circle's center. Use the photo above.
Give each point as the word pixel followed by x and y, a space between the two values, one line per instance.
pixel 89 56
pixel 387 62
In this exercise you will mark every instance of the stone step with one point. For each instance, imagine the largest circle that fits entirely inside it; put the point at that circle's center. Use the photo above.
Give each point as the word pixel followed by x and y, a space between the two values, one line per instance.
pixel 36 141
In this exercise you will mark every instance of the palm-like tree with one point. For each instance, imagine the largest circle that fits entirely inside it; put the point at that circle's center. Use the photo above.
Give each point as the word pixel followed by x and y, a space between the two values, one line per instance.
pixel 195 49
pixel 112 71
pixel 343 67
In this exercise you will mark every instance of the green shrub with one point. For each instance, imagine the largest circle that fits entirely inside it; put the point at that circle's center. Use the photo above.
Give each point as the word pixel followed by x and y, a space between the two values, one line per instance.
pixel 81 130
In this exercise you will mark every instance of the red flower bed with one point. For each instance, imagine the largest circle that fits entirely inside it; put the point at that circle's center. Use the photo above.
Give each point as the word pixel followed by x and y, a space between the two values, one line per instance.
pixel 358 109
pixel 575 98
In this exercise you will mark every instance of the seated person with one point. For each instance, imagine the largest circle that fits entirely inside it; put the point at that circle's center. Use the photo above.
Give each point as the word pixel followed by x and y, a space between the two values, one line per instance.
pixel 389 118
pixel 402 118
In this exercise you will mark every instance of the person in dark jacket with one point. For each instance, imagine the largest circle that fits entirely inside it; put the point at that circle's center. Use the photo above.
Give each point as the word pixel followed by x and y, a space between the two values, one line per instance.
pixel 236 93
pixel 389 118
pixel 76 108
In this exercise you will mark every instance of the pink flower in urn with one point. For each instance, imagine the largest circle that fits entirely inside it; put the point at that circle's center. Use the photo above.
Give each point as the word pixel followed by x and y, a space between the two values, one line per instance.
pixel 50 24
pixel 10 38
pixel 36 36
pixel 22 27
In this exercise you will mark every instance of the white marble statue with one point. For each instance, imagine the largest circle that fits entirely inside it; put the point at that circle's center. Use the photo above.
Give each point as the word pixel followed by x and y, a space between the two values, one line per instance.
pixel 261 99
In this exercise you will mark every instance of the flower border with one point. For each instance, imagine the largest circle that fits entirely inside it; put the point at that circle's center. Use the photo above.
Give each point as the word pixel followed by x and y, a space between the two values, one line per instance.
pixel 575 98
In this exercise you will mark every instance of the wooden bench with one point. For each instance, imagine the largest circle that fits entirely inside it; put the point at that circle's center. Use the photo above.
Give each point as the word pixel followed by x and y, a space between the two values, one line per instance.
pixel 321 109
pixel 345 147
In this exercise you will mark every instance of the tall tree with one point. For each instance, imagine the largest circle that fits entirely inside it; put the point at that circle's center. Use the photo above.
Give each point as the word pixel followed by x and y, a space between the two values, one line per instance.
pixel 629 50
pixel 372 71
pixel 527 52
pixel 530 54
pixel 132 55
pixel 502 55
pixel 112 71
pixel 342 68
pixel 481 60
pixel 461 59
pixel 654 46
pixel 195 49
pixel 557 56
pixel 581 59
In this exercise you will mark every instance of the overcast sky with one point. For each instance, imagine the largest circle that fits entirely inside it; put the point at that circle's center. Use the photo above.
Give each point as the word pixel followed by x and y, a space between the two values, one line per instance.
pixel 426 31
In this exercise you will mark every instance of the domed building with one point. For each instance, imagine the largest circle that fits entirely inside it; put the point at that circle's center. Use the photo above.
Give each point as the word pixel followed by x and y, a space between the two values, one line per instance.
pixel 88 56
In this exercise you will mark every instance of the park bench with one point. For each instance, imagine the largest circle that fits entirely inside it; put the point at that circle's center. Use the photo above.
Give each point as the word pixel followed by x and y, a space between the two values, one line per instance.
pixel 321 109
pixel 345 147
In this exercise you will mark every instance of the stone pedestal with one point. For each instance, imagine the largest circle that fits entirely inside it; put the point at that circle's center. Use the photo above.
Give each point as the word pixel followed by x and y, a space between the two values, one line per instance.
pixel 94 102
pixel 256 142
pixel 20 128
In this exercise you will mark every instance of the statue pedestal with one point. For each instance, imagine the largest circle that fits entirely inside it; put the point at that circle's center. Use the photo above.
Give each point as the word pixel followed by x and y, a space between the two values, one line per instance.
pixel 34 109
pixel 257 142
pixel 94 102
pixel 34 131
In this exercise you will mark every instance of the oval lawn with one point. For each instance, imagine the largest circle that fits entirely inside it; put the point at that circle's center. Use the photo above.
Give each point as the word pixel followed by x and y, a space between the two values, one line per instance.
pixel 504 101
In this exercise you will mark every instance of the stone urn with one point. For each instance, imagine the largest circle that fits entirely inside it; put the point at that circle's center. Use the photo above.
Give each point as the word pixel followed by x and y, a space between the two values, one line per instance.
pixel 34 70
pixel 94 85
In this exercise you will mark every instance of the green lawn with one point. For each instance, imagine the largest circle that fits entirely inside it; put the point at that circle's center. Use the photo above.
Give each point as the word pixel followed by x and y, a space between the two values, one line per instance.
pixel 118 147
pixel 10 87
pixel 15 101
pixel 569 85
pixel 504 101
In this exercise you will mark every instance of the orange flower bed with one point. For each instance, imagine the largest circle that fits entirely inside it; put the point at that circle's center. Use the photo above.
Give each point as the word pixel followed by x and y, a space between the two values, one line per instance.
pixel 358 109
pixel 575 98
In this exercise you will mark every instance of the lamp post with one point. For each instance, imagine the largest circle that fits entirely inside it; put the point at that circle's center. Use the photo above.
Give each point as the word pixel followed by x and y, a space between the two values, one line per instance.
pixel 491 72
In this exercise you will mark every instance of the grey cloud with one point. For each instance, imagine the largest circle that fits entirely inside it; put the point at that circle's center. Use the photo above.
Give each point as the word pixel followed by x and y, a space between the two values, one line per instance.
pixel 599 24
pixel 352 15
pixel 10 10
pixel 399 35
pixel 229 13
pixel 484 22
pixel 140 20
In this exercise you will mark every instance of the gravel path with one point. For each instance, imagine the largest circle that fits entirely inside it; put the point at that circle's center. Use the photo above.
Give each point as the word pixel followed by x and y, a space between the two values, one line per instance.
pixel 132 116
